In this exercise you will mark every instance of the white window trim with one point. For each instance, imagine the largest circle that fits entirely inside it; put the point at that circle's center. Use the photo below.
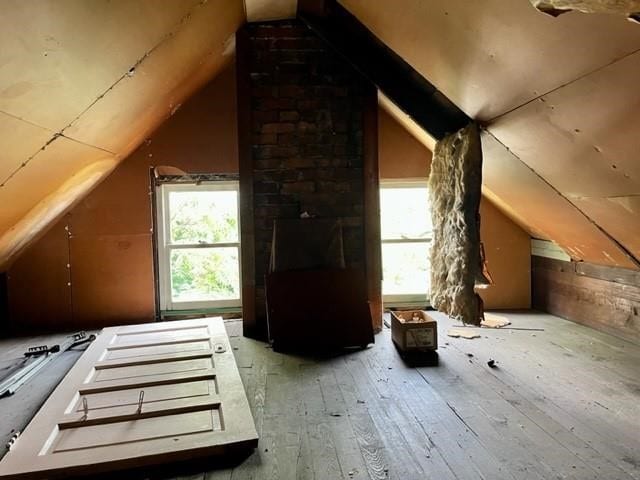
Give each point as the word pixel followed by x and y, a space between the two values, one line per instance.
pixel 165 247
pixel 412 298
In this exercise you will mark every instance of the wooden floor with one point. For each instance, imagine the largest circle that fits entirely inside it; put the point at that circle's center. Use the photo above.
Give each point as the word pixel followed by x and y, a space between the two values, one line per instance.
pixel 563 403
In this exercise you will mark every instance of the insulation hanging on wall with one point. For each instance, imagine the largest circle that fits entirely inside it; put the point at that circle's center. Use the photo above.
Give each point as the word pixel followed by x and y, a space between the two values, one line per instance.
pixel 455 188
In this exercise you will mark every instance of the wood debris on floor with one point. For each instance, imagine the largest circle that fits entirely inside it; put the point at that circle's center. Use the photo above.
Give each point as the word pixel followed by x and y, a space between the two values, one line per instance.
pixel 468 333
pixel 491 320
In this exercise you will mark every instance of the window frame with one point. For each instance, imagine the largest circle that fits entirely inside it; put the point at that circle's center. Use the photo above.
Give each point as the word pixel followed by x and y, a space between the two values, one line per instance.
pixel 165 247
pixel 408 299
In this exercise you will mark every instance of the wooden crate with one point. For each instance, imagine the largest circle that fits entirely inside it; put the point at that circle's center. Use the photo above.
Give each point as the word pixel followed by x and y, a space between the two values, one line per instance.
pixel 413 330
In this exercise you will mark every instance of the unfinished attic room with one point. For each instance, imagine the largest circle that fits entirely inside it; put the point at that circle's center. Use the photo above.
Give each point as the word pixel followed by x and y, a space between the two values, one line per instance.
pixel 320 239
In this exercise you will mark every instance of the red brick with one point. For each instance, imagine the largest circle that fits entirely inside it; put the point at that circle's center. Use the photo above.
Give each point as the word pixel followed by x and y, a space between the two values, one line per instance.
pixel 289 116
pixel 293 91
pixel 298 187
pixel 265 139
pixel 278 128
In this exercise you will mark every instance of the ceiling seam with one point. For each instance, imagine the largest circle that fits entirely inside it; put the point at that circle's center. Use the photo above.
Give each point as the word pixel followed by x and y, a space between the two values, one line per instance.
pixel 606 197
pixel 26 162
pixel 183 20
pixel 578 78
pixel 624 249
pixel 44 147
pixel 28 122
pixel 88 144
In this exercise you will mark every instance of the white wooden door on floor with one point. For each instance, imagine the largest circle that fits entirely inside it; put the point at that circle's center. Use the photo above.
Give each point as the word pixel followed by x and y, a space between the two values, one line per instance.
pixel 140 395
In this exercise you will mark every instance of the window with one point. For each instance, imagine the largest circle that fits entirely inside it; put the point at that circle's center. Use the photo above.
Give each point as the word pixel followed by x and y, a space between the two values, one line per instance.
pixel 406 241
pixel 199 246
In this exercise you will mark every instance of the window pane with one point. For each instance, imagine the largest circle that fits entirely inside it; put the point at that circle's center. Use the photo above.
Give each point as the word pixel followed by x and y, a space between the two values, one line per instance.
pixel 203 217
pixel 405 213
pixel 405 268
pixel 205 274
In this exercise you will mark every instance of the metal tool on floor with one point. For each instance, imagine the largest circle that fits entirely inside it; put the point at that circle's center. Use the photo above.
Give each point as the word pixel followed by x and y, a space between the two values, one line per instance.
pixel 42 355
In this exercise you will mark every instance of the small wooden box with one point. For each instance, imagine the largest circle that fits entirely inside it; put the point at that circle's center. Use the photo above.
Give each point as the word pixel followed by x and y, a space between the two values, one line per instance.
pixel 414 330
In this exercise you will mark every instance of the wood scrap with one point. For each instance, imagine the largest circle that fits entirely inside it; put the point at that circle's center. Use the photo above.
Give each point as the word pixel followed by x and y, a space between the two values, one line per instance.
pixel 494 321
pixel 463 333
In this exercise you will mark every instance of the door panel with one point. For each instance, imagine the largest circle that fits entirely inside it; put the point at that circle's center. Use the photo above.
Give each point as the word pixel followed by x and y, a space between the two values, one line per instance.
pixel 141 352
pixel 120 433
pixel 157 369
pixel 159 393
pixel 140 395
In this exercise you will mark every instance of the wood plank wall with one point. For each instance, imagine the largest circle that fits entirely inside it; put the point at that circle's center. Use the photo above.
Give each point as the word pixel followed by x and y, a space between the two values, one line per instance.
pixel 604 298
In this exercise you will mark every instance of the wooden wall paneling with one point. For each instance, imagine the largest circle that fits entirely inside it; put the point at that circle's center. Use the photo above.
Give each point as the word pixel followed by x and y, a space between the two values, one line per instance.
pixel 618 275
pixel 400 154
pixel 507 249
pixel 547 214
pixel 201 136
pixel 112 279
pixel 179 65
pixel 372 235
pixel 522 53
pixel 120 204
pixel 39 289
pixel 618 216
pixel 14 154
pixel 599 303
pixel 245 167
pixel 46 51
pixel 589 127
pixel 49 169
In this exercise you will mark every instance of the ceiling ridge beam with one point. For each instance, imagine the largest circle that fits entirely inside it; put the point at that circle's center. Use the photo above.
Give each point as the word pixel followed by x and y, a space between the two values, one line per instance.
pixel 560 87
pixel 632 258
pixel 383 67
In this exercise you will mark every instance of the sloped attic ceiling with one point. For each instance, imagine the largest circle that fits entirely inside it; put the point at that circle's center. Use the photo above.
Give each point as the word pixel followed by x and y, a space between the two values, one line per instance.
pixel 558 98
pixel 83 83
pixel 82 86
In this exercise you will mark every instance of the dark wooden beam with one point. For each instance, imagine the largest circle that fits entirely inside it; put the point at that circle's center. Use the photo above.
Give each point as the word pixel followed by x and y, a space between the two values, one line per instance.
pixel 245 167
pixel 372 243
pixel 398 80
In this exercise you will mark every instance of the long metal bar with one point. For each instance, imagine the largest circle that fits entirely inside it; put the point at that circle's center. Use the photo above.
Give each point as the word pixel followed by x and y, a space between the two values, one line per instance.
pixel 6 386
pixel 10 385
pixel 178 246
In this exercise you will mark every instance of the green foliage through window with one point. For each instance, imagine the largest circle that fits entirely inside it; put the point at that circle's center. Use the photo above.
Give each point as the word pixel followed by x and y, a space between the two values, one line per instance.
pixel 201 219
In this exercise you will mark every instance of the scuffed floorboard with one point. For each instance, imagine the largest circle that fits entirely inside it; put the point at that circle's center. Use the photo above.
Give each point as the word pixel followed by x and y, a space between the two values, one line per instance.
pixel 563 403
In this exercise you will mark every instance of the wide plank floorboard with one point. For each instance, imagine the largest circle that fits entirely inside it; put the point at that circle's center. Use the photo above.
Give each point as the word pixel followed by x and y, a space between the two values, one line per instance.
pixel 563 403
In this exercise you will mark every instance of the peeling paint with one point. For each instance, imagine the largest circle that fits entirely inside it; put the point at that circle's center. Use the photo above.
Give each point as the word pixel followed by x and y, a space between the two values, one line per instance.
pixel 627 8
